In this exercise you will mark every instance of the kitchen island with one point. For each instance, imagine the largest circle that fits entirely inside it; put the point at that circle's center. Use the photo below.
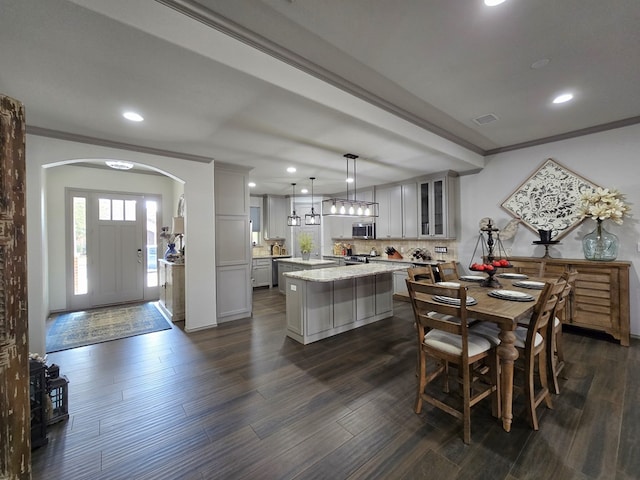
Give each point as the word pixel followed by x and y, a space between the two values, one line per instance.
pixel 293 264
pixel 329 301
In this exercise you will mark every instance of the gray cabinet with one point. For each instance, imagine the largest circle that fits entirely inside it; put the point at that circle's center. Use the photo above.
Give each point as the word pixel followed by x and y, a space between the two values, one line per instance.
pixel 275 211
pixel 232 245
pixel 284 267
pixel 398 211
pixel 437 208
pixel 317 310
pixel 261 272
pixel 389 221
pixel 340 227
pixel 409 210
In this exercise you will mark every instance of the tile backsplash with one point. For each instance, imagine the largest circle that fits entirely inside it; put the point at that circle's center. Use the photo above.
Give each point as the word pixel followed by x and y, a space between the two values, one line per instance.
pixel 436 248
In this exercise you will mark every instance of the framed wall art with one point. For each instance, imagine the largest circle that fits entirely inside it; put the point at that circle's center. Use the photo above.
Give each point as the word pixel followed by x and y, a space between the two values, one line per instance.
pixel 549 199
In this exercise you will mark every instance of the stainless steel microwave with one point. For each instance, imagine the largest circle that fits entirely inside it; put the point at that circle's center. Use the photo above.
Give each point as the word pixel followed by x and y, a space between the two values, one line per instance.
pixel 364 230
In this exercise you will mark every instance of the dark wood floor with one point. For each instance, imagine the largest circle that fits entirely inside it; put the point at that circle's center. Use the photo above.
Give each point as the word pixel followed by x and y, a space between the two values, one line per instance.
pixel 243 401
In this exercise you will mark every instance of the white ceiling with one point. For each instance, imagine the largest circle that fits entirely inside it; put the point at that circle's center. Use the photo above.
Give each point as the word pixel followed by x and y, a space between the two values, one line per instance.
pixel 273 83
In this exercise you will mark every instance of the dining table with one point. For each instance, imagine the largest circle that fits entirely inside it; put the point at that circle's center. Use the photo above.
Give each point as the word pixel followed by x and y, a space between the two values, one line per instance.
pixel 506 313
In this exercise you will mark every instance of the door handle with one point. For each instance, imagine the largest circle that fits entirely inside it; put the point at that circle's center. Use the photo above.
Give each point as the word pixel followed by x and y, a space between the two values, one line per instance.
pixel 139 255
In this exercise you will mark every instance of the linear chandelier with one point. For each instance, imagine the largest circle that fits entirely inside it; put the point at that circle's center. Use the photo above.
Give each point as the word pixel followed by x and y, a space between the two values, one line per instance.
pixel 349 207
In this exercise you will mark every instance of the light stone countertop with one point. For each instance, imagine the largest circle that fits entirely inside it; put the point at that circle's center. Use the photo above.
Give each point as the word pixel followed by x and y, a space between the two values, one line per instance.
pixel 332 274
pixel 310 262
pixel 384 258
pixel 403 260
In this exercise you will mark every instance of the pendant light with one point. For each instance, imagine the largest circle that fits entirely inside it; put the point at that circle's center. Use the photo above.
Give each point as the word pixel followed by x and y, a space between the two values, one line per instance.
pixel 349 207
pixel 293 220
pixel 312 218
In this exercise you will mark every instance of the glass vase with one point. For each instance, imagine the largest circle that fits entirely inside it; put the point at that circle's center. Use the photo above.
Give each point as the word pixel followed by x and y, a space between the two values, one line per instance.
pixel 171 254
pixel 600 245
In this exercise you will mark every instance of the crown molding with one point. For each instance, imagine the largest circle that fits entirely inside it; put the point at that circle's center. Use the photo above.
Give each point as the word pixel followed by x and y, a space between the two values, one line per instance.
pixel 565 136
pixel 72 137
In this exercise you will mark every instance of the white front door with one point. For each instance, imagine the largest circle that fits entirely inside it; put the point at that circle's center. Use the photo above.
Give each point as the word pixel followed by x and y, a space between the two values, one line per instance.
pixel 111 249
pixel 117 244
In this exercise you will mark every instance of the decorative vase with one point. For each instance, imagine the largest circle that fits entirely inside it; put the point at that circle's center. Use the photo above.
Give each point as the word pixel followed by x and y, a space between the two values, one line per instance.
pixel 600 245
pixel 306 255
pixel 171 254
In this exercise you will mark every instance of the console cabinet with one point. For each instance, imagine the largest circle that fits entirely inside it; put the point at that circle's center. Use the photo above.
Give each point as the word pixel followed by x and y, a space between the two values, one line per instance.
pixel 172 290
pixel 600 300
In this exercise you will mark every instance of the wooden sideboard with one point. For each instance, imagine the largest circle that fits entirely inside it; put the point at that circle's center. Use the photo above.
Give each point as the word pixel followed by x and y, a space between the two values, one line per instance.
pixel 600 300
pixel 172 289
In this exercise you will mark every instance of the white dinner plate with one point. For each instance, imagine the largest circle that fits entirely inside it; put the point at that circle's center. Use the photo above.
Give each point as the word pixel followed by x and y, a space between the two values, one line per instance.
pixel 453 301
pixel 511 295
pixel 529 284
pixel 472 278
pixel 448 284
pixel 512 275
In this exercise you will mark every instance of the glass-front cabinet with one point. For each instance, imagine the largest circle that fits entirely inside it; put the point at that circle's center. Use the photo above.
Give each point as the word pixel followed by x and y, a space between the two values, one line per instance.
pixel 437 206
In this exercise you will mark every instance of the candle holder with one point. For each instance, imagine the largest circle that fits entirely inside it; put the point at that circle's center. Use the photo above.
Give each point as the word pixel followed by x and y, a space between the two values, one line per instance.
pixel 492 255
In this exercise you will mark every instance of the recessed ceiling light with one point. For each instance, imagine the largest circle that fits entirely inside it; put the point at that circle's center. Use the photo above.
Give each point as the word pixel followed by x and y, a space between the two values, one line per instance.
pixel 565 97
pixel 349 180
pixel 133 116
pixel 251 184
pixel 304 190
pixel 493 3
pixel 119 164
pixel 291 169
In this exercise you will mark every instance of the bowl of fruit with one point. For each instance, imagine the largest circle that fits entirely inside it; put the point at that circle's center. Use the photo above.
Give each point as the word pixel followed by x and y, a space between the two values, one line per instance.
pixel 490 268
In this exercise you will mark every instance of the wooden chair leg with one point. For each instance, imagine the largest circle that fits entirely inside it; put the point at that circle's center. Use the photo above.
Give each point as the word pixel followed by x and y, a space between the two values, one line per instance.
pixel 446 377
pixel 552 363
pixel 529 391
pixel 422 381
pixel 466 385
pixel 542 367
pixel 496 398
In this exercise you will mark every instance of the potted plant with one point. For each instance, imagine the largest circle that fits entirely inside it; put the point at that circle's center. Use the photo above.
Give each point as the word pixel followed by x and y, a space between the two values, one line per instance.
pixel 305 241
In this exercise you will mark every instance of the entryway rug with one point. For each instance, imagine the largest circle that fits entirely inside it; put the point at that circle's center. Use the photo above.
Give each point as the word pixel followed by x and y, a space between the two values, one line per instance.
pixel 77 329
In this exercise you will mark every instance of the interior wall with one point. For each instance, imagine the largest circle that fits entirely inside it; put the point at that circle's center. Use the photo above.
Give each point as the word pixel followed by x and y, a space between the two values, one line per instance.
pixel 72 176
pixel 198 178
pixel 608 159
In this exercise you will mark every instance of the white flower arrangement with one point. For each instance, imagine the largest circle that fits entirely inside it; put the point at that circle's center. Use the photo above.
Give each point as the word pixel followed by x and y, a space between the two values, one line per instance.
pixel 602 204
pixel 167 235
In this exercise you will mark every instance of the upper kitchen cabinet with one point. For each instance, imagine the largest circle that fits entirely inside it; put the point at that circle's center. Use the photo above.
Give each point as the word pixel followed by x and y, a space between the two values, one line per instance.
pixel 437 207
pixel 389 221
pixel 409 210
pixel 275 217
pixel 397 211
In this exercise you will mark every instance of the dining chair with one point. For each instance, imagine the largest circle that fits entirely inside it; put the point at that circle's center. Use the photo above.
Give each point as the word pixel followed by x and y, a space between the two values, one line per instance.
pixel 450 342
pixel 534 268
pixel 555 352
pixel 531 343
pixel 448 271
pixel 424 274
